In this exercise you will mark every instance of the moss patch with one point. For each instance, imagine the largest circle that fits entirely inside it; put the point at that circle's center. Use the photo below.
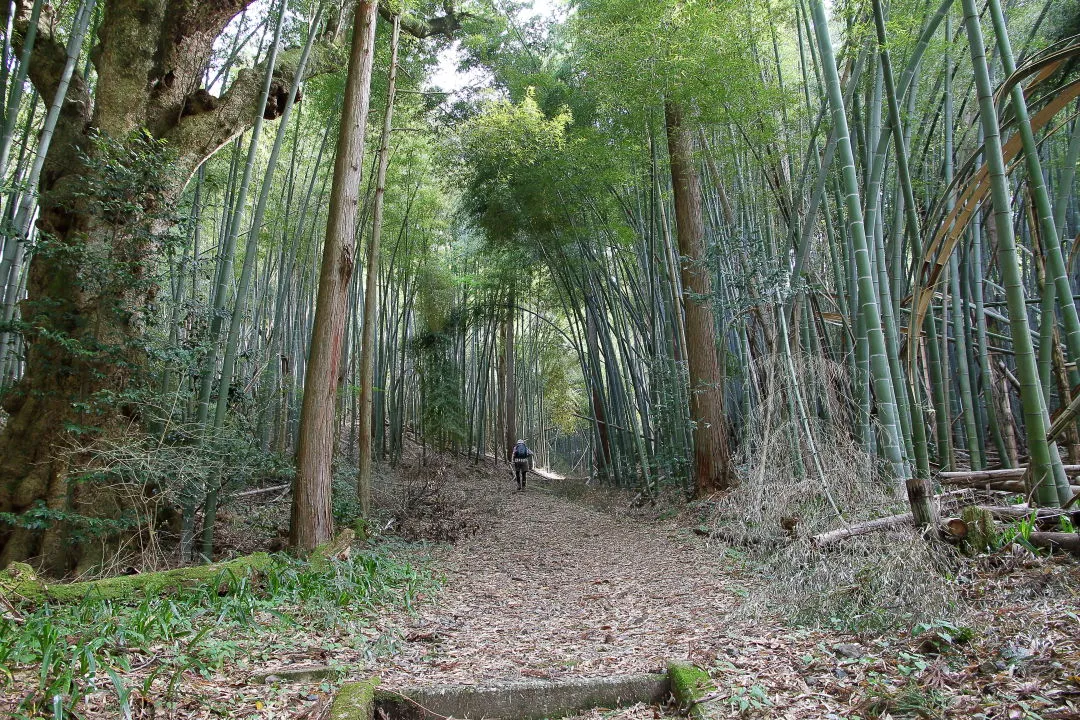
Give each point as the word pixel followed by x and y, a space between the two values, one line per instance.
pixel 982 531
pixel 337 548
pixel 689 684
pixel 355 701
pixel 19 582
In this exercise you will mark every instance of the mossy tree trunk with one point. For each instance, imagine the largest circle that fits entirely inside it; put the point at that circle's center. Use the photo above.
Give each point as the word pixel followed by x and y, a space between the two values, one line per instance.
pixel 103 217
pixel 85 328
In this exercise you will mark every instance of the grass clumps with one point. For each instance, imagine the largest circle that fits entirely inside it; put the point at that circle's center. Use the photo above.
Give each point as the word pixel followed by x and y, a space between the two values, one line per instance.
pixel 56 656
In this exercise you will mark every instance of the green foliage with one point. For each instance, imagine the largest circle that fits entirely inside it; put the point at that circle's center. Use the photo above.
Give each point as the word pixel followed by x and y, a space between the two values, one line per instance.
pixel 1065 524
pixel 151 472
pixel 104 271
pixel 564 388
pixel 940 636
pixel 746 700
pixel 344 502
pixel 913 699
pixel 510 149
pixel 82 528
pixel 69 650
pixel 442 410
pixel 435 293
pixel 637 55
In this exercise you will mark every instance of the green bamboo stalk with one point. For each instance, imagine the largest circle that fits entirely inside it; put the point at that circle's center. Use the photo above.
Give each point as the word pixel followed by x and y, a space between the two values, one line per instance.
pixel 1040 195
pixel 868 301
pixel 1041 477
pixel 967 403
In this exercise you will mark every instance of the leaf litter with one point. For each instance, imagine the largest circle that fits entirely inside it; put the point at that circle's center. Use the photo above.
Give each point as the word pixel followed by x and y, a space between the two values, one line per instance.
pixel 553 589
pixel 545 588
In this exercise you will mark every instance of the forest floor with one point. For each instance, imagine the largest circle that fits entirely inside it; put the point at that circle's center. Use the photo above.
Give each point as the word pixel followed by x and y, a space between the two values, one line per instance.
pixel 554 588
pixel 565 581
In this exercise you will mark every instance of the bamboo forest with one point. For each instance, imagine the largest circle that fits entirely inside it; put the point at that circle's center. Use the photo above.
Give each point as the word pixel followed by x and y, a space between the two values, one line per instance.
pixel 590 359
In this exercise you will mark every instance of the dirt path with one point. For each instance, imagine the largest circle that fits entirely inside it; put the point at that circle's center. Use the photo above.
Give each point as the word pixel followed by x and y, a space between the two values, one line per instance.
pixel 550 588
pixel 553 589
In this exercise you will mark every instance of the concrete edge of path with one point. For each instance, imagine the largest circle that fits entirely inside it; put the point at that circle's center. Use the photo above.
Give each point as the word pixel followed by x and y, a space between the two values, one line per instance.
pixel 522 700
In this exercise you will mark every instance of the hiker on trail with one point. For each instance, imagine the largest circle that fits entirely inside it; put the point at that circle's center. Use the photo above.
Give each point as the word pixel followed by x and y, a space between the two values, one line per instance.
pixel 522 458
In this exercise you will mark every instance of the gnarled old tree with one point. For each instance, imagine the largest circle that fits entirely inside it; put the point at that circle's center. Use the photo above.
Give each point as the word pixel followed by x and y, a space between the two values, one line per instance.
pixel 103 216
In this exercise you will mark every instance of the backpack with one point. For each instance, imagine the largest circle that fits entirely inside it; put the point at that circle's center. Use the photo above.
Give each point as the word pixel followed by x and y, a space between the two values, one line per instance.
pixel 520 451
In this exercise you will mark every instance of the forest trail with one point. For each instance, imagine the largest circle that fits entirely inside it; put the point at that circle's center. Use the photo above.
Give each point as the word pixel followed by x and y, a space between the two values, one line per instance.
pixel 551 588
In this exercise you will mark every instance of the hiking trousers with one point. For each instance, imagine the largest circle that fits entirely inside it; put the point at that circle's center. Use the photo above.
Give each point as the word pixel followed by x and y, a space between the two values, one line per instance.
pixel 521 469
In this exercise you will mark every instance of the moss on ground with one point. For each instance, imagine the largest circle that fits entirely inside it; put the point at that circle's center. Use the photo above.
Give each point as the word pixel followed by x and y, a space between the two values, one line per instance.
pixel 355 701
pixel 689 684
pixel 19 582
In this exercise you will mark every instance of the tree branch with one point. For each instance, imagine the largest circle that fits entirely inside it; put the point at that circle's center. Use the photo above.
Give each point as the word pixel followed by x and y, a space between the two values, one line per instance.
pixel 200 124
pixel 189 29
pixel 445 25
pixel 47 61
pixel 209 123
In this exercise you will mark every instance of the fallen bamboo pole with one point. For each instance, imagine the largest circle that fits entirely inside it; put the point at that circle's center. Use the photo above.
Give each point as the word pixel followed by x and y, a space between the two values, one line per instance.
pixel 1056 541
pixel 960 477
pixel 834 536
pixel 260 491
pixel 1016 512
pixel 1063 419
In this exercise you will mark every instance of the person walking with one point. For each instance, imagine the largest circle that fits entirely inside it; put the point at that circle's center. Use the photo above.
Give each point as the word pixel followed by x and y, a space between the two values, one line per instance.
pixel 522 458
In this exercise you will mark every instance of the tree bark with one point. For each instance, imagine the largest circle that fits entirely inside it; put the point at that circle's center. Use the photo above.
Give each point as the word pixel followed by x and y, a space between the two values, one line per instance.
pixel 89 284
pixel 371 289
pixel 508 382
pixel 85 324
pixel 712 466
pixel 312 522
pixel 149 59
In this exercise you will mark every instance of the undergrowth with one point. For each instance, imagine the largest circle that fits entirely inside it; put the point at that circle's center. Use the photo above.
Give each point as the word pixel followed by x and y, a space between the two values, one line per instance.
pixel 796 475
pixel 53 656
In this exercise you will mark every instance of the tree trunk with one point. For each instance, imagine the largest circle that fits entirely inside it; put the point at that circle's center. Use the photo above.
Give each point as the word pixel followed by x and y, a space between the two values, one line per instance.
pixel 312 522
pixel 508 381
pixel 371 289
pixel 91 283
pixel 88 291
pixel 602 450
pixel 712 471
